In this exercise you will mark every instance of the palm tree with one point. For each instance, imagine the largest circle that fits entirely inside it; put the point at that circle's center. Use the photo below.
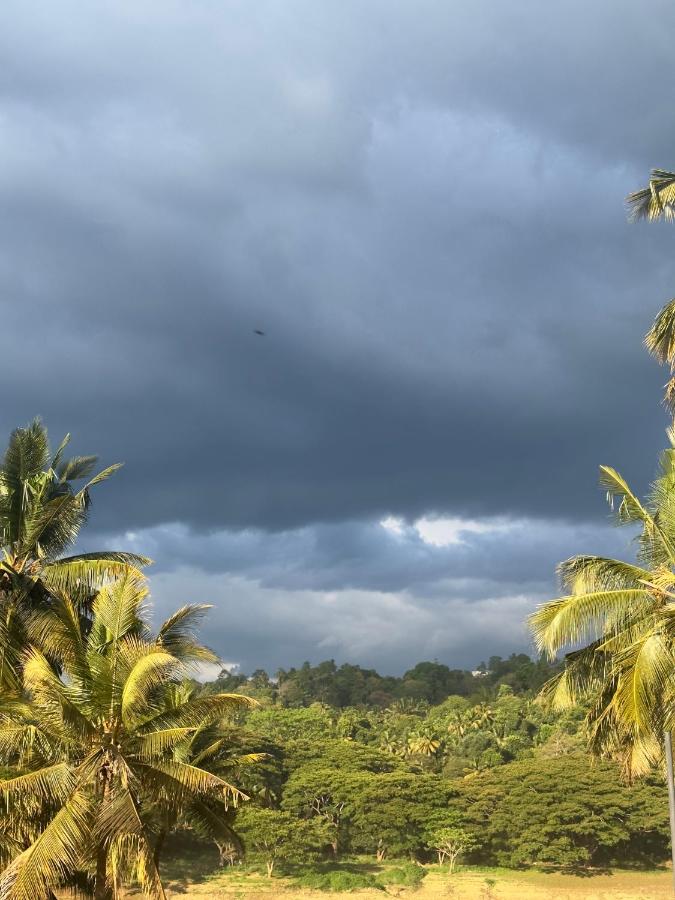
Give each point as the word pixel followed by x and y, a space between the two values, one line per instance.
pixel 657 201
pixel 390 743
pixel 423 743
pixel 460 722
pixel 97 745
pixel 625 612
pixel 483 716
pixel 41 514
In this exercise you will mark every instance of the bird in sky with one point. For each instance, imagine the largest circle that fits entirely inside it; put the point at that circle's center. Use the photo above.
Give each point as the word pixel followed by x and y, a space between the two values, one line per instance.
pixel 258 331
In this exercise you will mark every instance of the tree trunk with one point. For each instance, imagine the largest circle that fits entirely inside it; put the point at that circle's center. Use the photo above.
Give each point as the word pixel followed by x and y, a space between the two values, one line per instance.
pixel 101 883
pixel 668 739
pixel 270 867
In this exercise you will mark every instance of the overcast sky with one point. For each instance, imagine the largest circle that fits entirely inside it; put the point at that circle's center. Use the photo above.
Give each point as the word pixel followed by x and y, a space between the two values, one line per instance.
pixel 421 205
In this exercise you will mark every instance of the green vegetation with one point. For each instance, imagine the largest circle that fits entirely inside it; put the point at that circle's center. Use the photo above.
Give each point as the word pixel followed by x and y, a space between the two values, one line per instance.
pixel 348 686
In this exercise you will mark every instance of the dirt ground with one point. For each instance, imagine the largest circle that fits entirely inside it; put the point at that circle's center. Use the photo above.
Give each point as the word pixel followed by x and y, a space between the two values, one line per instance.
pixel 466 885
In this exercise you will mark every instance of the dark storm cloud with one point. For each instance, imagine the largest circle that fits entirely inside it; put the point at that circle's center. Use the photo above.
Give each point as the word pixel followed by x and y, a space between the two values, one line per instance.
pixel 421 207
pixel 505 558
pixel 366 593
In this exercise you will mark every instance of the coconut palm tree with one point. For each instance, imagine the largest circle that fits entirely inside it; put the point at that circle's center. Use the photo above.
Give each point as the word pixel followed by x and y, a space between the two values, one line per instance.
pixel 97 745
pixel 390 743
pixel 483 715
pixel 624 613
pixel 460 722
pixel 423 743
pixel 41 514
pixel 657 201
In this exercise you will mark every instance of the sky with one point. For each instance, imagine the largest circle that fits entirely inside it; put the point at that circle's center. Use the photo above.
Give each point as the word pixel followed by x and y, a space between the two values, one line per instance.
pixel 420 204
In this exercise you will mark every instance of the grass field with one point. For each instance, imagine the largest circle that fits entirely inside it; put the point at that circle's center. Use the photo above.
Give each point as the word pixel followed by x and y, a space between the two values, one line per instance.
pixel 192 877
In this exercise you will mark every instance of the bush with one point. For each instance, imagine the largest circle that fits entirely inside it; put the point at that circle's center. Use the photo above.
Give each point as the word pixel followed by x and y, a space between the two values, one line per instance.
pixel 407 875
pixel 338 881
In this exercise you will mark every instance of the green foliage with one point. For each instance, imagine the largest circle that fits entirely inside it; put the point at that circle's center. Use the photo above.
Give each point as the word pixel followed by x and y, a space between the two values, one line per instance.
pixel 346 879
pixel 280 837
pixel 313 723
pixel 338 880
pixel 451 842
pixel 407 875
pixel 565 812
pixel 431 683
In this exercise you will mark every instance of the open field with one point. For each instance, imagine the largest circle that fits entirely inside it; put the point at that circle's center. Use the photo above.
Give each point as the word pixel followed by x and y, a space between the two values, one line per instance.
pixel 186 880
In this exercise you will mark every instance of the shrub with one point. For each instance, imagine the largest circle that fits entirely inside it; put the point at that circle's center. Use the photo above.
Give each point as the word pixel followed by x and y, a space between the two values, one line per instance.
pixel 338 880
pixel 407 875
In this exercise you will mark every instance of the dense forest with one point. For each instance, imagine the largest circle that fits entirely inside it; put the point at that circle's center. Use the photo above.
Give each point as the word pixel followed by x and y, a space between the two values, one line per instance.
pixel 436 763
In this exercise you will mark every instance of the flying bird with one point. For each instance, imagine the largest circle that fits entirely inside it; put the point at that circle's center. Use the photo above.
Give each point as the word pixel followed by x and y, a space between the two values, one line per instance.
pixel 258 331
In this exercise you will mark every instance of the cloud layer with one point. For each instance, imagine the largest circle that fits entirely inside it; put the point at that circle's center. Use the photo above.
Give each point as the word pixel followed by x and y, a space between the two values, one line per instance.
pixel 421 207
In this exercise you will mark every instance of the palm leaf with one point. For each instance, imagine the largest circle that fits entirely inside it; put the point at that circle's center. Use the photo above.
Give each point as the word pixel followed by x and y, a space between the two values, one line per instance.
pixel 569 620
pixel 55 853
pixel 655 201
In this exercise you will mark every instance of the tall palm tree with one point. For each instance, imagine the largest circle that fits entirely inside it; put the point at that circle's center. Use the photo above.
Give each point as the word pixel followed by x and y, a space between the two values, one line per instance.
pixel 98 745
pixel 657 201
pixel 624 613
pixel 41 514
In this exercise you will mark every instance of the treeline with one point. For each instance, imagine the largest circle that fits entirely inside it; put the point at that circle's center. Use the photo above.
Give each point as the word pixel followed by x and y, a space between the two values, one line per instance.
pixel 505 782
pixel 353 686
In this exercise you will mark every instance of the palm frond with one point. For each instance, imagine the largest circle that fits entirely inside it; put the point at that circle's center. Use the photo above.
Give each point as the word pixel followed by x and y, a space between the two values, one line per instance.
pixel 655 201
pixel 148 672
pixel 52 856
pixel 569 620
pixel 58 455
pixel 118 610
pixel 201 710
pixel 155 743
pixel 103 475
pixel 187 781
pixel 52 784
pixel 581 574
pixel 75 468
pixel 89 572
pixel 660 339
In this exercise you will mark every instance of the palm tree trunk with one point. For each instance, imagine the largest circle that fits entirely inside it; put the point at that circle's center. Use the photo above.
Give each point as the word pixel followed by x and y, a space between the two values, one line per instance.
pixel 101 882
pixel 100 885
pixel 668 740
